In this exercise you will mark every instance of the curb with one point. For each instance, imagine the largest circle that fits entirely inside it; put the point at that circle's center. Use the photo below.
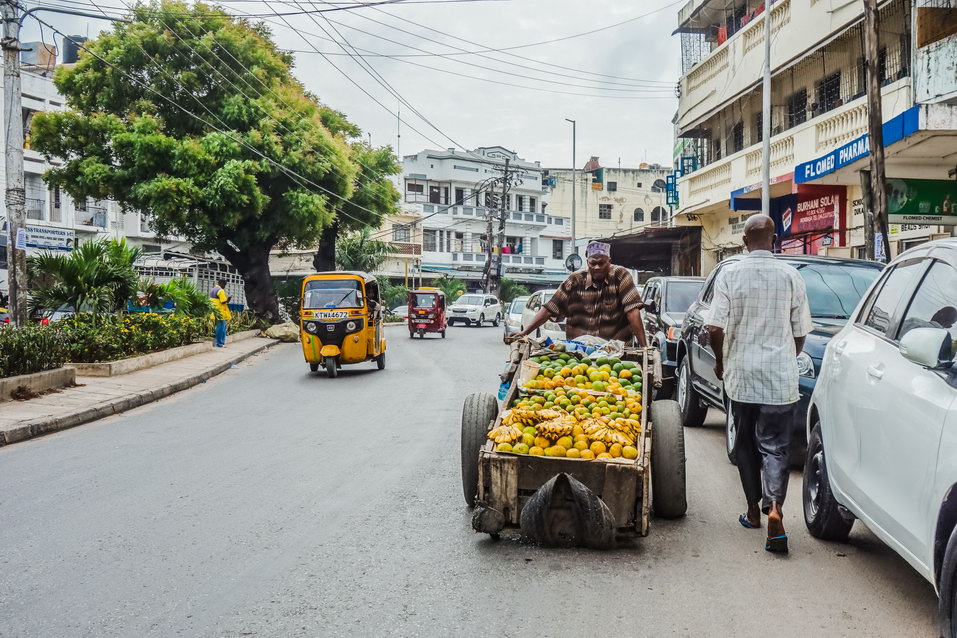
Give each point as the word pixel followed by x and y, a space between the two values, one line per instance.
pixel 38 427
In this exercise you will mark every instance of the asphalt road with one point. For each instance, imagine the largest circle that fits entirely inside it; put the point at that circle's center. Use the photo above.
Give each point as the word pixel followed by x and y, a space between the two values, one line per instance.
pixel 272 502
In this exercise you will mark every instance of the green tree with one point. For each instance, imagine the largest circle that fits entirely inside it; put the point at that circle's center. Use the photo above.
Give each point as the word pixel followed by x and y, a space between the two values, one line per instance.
pixel 392 295
pixel 194 118
pixel 451 287
pixel 359 251
pixel 509 289
pixel 184 295
pixel 98 276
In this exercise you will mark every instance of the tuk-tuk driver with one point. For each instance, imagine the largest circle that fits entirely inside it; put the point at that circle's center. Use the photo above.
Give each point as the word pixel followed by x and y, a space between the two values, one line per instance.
pixel 601 301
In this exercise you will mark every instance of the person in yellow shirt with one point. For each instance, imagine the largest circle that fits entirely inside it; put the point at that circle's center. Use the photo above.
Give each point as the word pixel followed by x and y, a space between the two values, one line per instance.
pixel 220 311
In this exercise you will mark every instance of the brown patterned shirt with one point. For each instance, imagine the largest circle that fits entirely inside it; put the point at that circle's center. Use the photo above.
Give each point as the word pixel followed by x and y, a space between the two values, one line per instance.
pixel 596 308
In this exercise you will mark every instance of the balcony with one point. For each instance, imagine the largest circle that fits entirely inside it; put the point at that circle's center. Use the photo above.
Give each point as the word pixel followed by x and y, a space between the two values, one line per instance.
pixel 407 248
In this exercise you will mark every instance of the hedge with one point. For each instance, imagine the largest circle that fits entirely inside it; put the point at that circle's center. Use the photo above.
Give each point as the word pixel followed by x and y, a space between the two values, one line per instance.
pixel 30 349
pixel 91 339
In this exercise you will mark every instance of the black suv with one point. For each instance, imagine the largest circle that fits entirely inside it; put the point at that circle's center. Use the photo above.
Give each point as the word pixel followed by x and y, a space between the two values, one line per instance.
pixel 834 286
pixel 667 299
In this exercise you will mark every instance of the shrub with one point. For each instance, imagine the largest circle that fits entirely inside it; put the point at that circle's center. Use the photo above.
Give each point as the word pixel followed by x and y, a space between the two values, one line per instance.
pixel 91 339
pixel 30 349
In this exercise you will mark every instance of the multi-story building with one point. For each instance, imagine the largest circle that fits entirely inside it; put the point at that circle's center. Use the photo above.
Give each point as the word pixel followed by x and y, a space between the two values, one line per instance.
pixel 447 198
pixel 609 201
pixel 819 119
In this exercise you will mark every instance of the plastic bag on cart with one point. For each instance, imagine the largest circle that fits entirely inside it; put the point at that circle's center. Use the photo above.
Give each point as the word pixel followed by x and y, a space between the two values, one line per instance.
pixel 565 513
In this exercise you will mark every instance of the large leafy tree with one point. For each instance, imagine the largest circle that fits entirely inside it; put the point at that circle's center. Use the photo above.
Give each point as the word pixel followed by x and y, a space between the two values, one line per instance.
pixel 359 251
pixel 194 118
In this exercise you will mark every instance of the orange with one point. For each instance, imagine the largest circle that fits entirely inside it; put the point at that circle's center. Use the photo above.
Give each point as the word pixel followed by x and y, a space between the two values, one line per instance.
pixel 542 442
pixel 581 445
pixel 587 454
pixel 604 455
pixel 615 450
pixel 573 453
pixel 629 452
pixel 597 447
pixel 624 374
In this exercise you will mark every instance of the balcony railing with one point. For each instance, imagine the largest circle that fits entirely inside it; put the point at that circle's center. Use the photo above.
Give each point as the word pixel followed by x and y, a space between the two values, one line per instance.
pixel 407 248
pixel 704 181
pixel 842 127
pixel 782 155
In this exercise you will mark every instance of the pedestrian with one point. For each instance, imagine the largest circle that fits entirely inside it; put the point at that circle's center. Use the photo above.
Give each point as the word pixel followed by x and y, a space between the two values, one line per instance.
pixel 757 324
pixel 601 301
pixel 221 314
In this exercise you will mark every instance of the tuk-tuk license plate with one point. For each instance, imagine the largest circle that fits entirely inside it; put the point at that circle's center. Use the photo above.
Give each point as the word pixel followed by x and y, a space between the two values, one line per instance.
pixel 336 314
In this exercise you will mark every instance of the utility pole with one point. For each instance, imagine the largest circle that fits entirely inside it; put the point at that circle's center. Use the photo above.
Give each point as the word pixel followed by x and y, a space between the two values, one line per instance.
pixel 766 116
pixel 13 163
pixel 495 277
pixel 574 182
pixel 487 274
pixel 875 124
pixel 868 199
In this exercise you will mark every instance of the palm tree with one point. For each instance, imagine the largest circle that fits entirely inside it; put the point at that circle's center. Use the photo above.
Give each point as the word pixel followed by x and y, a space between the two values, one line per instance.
pixel 360 252
pixel 185 297
pixel 451 287
pixel 97 276
pixel 510 289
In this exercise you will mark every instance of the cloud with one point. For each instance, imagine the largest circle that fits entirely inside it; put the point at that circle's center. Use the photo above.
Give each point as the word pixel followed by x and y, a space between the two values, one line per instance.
pixel 475 112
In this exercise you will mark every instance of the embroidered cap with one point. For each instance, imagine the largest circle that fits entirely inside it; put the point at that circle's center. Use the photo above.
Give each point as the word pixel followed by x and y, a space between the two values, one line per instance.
pixel 598 248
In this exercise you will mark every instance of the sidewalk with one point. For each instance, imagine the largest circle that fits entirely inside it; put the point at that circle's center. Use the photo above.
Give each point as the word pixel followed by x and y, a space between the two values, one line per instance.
pixel 98 397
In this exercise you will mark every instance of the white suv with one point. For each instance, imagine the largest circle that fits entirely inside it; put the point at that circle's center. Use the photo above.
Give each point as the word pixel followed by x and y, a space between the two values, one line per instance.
pixel 550 329
pixel 475 309
pixel 882 425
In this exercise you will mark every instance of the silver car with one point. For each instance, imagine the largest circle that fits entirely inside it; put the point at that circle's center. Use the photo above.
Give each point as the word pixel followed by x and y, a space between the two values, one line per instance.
pixel 513 317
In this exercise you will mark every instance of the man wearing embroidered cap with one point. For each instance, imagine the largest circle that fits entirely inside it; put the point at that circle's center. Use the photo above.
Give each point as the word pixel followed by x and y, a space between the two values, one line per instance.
pixel 601 301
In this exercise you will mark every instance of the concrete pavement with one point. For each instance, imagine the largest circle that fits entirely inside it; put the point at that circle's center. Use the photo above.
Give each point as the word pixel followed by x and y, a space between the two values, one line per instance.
pixel 272 502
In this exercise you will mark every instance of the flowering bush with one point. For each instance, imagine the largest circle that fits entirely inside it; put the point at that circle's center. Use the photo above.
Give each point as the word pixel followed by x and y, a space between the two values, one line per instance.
pixel 91 339
pixel 30 349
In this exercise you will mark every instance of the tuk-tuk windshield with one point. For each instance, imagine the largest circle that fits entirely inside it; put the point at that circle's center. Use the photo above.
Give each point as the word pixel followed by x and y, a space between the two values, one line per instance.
pixel 332 293
pixel 424 300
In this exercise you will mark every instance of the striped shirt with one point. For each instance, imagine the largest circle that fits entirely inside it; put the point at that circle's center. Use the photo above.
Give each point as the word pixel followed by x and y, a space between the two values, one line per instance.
pixel 596 308
pixel 761 304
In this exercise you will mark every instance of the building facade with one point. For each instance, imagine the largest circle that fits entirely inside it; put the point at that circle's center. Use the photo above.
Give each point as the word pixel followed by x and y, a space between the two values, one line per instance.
pixel 446 202
pixel 609 201
pixel 819 119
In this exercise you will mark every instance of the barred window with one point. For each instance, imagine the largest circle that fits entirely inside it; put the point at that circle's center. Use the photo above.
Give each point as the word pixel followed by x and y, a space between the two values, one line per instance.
pixel 604 211
pixel 401 232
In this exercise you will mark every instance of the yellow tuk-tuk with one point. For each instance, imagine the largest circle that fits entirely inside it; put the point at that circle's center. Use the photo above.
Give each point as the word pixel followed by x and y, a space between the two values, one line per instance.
pixel 340 320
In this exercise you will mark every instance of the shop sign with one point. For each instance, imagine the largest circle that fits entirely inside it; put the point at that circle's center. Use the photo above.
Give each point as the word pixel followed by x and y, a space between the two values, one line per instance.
pixel 922 201
pixel 815 213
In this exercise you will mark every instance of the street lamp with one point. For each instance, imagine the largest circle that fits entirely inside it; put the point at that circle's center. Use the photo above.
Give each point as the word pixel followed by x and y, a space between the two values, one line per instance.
pixel 574 182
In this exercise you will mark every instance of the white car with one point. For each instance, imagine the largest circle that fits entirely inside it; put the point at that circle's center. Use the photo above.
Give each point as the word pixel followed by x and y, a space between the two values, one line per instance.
pixel 513 317
pixel 401 311
pixel 475 309
pixel 882 425
pixel 535 302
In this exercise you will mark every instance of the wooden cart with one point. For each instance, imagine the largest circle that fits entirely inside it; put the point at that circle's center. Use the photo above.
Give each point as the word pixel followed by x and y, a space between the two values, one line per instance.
pixel 502 483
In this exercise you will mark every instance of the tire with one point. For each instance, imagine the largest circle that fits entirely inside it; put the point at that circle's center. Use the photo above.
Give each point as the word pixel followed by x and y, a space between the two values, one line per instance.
pixel 948 589
pixel 481 321
pixel 380 361
pixel 332 370
pixel 443 334
pixel 668 484
pixel 693 412
pixel 313 367
pixel 478 413
pixel 451 323
pixel 730 434
pixel 496 321
pixel 821 512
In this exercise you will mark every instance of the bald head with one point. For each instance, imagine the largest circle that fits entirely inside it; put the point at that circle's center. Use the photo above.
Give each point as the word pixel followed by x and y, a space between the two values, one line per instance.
pixel 759 233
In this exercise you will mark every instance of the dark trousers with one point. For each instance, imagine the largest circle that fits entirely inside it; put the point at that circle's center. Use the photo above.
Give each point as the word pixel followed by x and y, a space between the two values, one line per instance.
pixel 761 450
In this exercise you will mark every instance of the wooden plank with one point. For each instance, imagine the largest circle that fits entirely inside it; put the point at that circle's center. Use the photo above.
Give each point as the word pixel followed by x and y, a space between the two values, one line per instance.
pixel 620 491
pixel 503 486
pixel 535 471
pixel 644 515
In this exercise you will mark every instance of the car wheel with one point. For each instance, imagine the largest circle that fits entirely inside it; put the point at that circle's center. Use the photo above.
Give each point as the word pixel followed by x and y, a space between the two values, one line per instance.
pixel 332 369
pixel 481 320
pixel 380 361
pixel 692 412
pixel 948 589
pixel 822 514
pixel 730 433
pixel 496 321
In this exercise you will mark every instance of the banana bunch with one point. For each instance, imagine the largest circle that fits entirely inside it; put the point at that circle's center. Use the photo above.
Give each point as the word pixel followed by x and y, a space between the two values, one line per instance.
pixel 555 428
pixel 609 435
pixel 522 417
pixel 505 433
pixel 628 427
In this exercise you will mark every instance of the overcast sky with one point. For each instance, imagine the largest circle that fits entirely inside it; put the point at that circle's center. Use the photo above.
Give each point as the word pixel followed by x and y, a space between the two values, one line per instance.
pixel 641 56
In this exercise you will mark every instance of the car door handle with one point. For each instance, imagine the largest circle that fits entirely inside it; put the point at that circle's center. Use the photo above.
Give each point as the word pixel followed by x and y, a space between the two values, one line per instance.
pixel 876 372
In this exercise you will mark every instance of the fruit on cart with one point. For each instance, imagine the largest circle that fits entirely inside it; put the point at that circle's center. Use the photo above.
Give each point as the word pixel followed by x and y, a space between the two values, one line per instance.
pixel 629 452
pixel 536 451
pixel 504 447
pixel 520 448
pixel 505 434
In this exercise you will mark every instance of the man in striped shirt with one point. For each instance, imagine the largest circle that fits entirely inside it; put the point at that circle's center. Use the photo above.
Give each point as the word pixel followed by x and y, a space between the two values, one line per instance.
pixel 601 301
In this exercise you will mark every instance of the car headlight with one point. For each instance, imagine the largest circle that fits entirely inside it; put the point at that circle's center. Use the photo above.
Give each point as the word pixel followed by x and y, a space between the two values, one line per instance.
pixel 311 326
pixel 351 326
pixel 805 365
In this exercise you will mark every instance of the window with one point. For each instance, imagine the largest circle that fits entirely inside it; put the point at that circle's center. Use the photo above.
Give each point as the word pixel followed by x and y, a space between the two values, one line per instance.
pixel 638 184
pixel 459 195
pixel 659 214
pixel 797 108
pixel 659 186
pixel 737 137
pixel 829 93
pixel 401 232
pixel 612 187
pixel 639 215
pixel 604 211
pixel 438 194
pixel 933 306
pixel 429 241
pixel 532 205
pixel 758 127
pixel 520 203
pixel 558 249
pixel 414 188
pixel 882 309
pixel 709 291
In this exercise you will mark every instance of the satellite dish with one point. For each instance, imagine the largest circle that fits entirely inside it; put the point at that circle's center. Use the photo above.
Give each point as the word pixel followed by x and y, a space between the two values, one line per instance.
pixel 573 262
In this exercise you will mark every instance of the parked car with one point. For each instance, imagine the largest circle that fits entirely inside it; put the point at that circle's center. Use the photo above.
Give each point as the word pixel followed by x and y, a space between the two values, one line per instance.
pixel 400 311
pixel 834 287
pixel 882 425
pixel 552 329
pixel 476 309
pixel 513 317
pixel 667 299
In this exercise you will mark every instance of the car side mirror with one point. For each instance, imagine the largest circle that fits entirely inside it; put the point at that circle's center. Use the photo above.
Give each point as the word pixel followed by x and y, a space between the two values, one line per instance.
pixel 924 346
pixel 650 307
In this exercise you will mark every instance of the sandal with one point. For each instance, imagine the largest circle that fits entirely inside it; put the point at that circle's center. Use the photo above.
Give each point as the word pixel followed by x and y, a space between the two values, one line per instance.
pixel 778 543
pixel 745 523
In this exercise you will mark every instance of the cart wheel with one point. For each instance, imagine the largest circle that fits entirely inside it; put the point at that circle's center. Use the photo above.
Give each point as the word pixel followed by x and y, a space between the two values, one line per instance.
pixel 332 370
pixel 477 414
pixel 669 496
pixel 380 361
pixel 313 367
